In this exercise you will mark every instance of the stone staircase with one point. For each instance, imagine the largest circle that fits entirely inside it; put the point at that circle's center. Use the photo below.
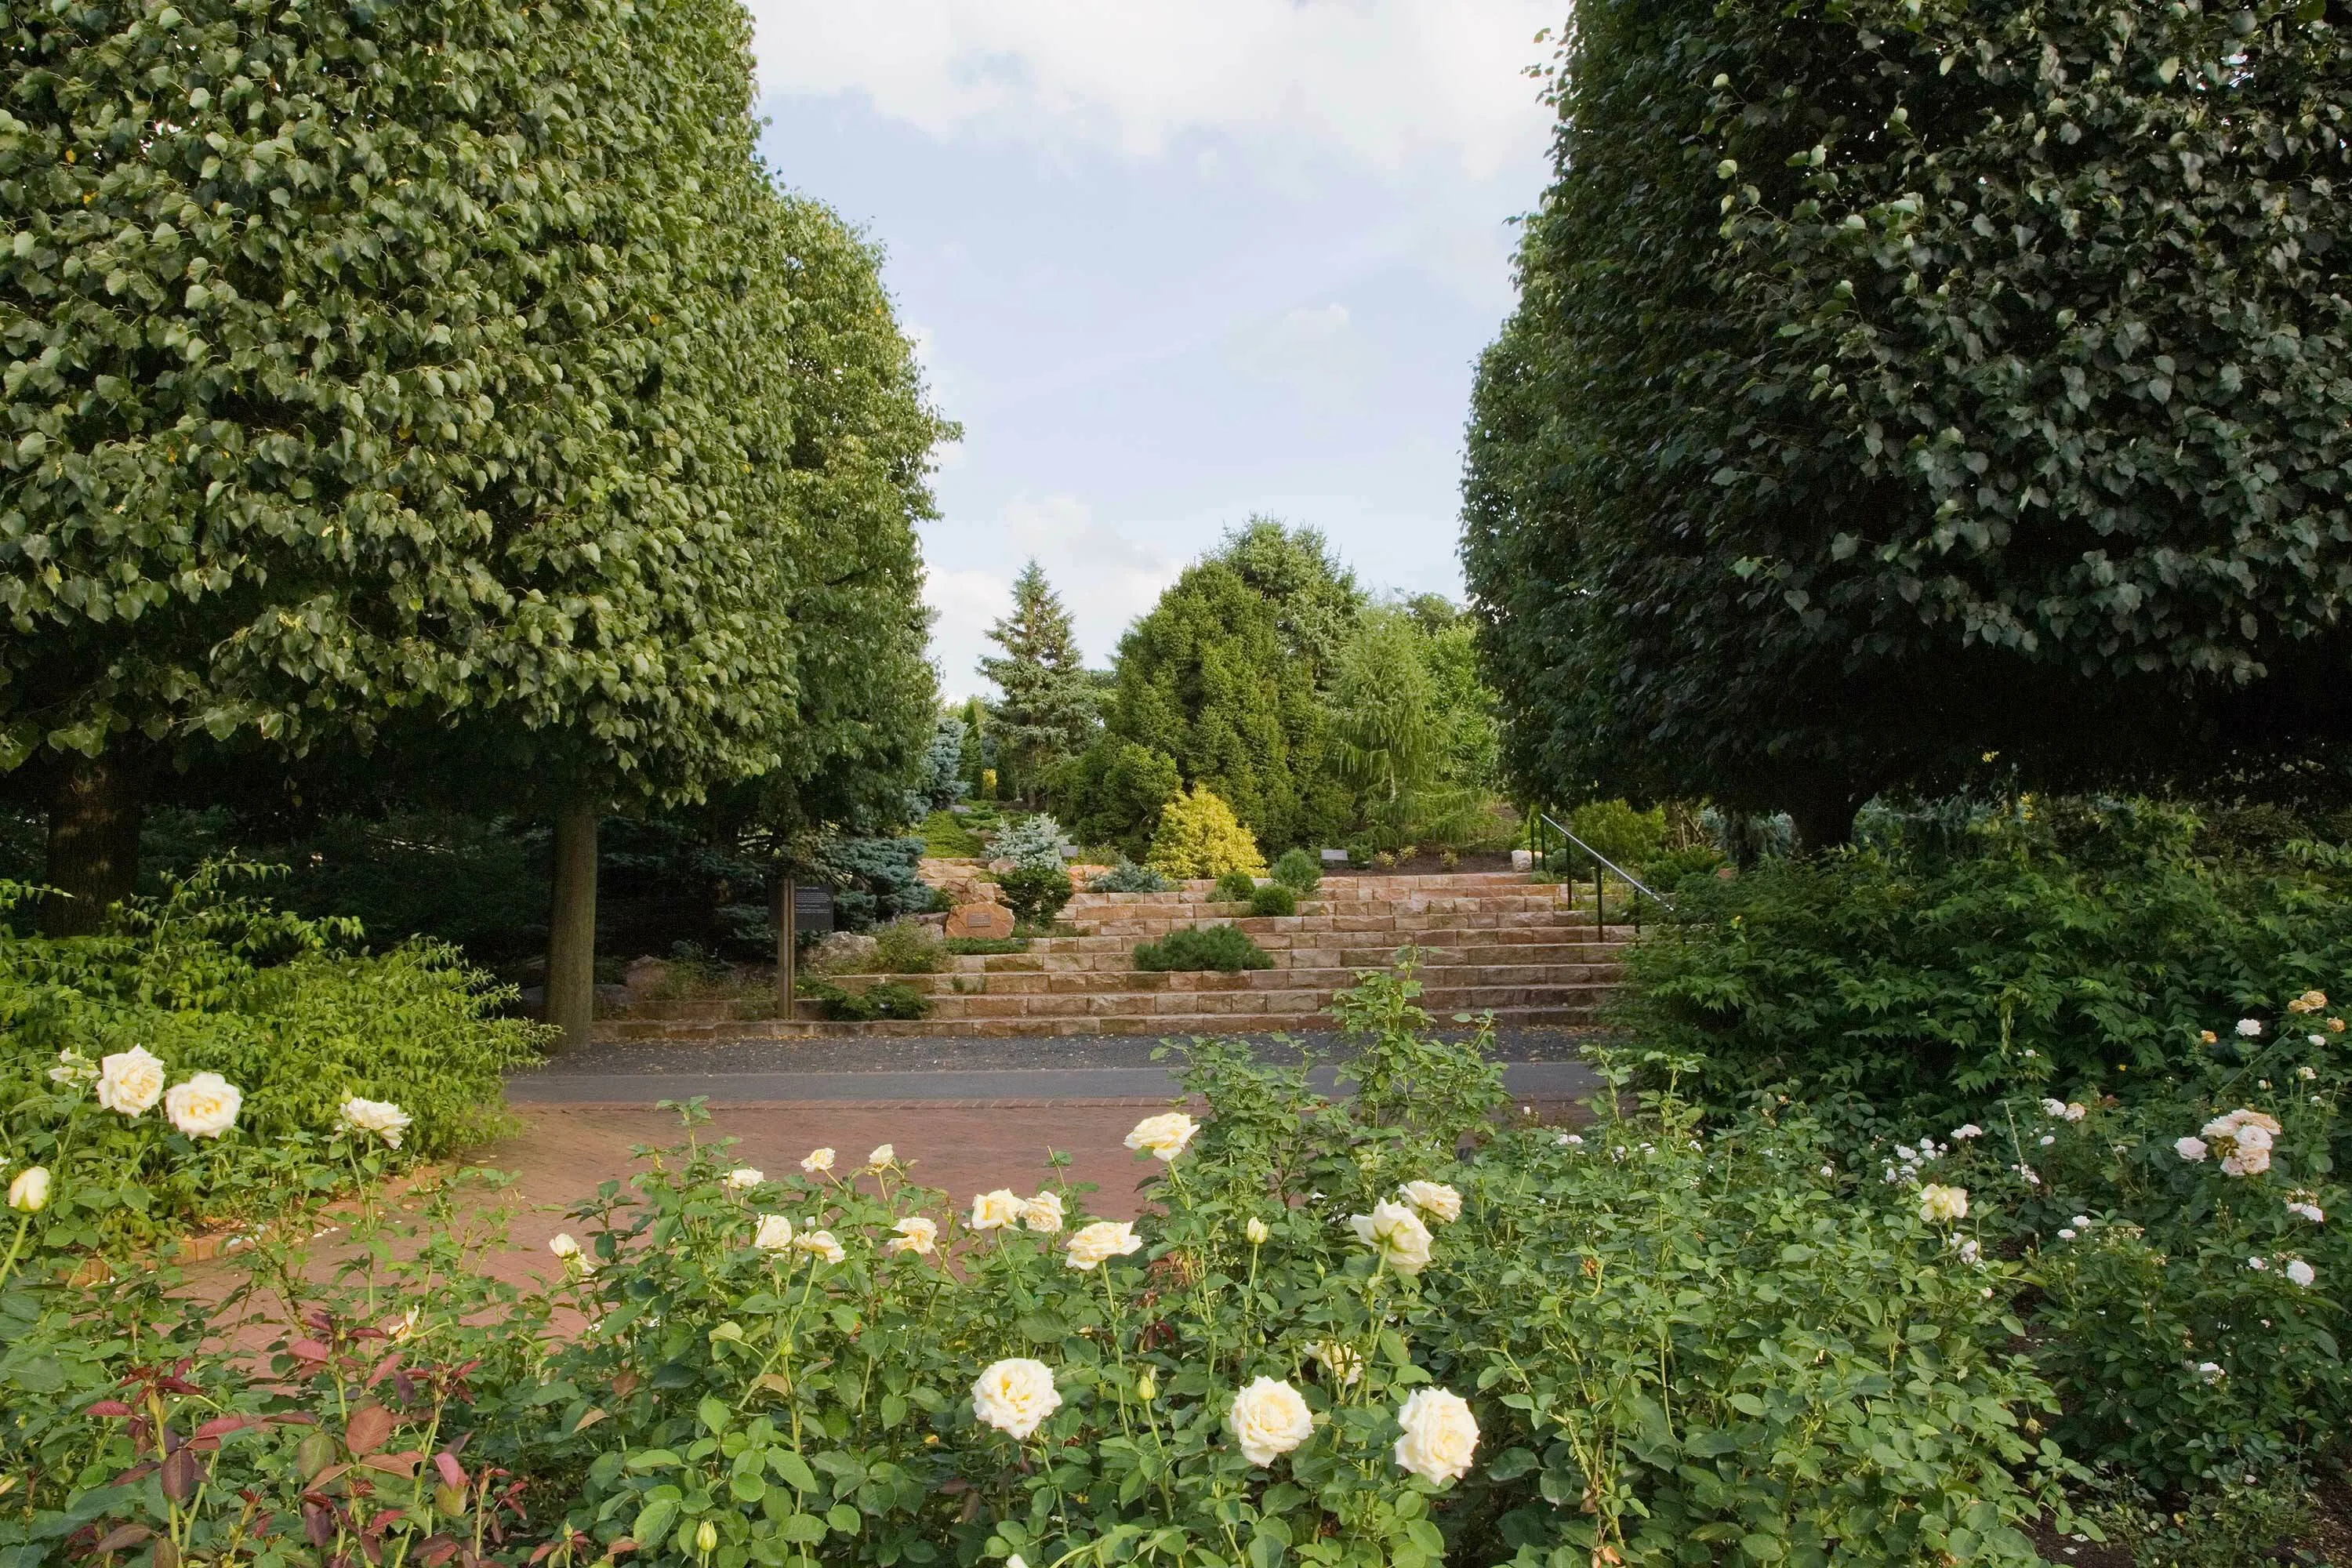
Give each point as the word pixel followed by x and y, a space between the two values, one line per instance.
pixel 1488 941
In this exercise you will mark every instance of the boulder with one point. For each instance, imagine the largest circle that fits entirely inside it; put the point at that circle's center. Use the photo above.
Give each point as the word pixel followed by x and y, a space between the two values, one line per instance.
pixel 980 920
pixel 841 952
pixel 1523 859
pixel 645 975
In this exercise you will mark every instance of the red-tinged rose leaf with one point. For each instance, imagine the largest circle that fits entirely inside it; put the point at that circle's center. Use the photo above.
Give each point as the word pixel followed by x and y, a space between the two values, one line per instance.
pixel 318 1524
pixel 451 1471
pixel 221 1425
pixel 122 1538
pixel 308 1349
pixel 435 1550
pixel 135 1473
pixel 401 1464
pixel 368 1429
pixel 108 1407
pixel 385 1369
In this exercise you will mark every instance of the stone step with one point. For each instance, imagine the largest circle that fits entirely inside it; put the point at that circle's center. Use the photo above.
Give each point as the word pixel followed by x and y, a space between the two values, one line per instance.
pixel 1277 933
pixel 1340 954
pixel 1173 1026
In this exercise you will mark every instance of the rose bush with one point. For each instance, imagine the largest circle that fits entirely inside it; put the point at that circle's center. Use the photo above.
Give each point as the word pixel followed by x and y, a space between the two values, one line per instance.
pixel 1626 1345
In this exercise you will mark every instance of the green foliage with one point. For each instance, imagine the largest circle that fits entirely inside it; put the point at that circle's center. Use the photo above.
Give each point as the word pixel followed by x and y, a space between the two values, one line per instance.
pixel 945 837
pixel 1046 712
pixel 1127 876
pixel 2087 945
pixel 531 456
pixel 1392 743
pixel 1035 893
pixel 1223 675
pixel 850 1005
pixel 1876 400
pixel 1273 898
pixel 1629 838
pixel 1220 947
pixel 1199 836
pixel 1235 886
pixel 1032 843
pixel 961 946
pixel 903 947
pixel 1300 870
pixel 1112 793
pixel 941 785
pixel 1666 1345
pixel 291 1011
pixel 874 880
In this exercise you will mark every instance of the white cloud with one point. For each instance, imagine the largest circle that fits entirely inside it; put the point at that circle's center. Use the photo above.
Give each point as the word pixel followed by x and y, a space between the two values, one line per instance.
pixel 1384 82
pixel 1312 347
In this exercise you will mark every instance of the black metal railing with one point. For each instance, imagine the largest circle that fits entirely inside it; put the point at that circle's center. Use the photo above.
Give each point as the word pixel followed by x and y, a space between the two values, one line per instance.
pixel 1542 830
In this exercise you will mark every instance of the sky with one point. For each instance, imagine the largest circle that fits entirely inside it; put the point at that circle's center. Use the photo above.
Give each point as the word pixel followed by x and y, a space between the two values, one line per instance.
pixel 1173 265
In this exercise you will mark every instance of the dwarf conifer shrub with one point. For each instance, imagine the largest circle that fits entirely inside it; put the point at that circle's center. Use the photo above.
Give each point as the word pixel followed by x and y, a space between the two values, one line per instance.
pixel 1199 837
pixel 1300 870
pixel 1235 886
pixel 1220 947
pixel 1273 898
pixel 1127 876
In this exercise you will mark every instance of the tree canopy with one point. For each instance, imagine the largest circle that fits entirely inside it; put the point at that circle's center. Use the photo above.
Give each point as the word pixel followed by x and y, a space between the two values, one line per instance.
pixel 1894 383
pixel 1047 710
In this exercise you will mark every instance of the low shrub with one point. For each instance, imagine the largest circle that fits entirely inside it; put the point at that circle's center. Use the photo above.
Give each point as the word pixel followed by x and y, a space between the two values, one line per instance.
pixel 1300 870
pixel 1218 947
pixel 1382 1329
pixel 2091 944
pixel 904 947
pixel 874 880
pixel 946 836
pixel 291 1013
pixel 1618 831
pixel 1235 886
pixel 1127 876
pixel 1199 837
pixel 1035 894
pixel 854 1006
pixel 1274 899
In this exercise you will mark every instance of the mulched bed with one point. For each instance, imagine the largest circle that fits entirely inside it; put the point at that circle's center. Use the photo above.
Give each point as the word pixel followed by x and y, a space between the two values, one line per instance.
pixel 1427 865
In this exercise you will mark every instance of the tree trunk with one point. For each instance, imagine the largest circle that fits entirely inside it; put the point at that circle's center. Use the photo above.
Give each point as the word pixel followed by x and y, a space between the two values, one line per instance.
pixel 572 925
pixel 1825 818
pixel 93 853
pixel 785 901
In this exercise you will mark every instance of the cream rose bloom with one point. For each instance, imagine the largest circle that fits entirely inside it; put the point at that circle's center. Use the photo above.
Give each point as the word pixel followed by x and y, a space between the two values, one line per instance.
pixel 1440 1436
pixel 775 1233
pixel 204 1107
pixel 1943 1206
pixel 1257 1231
pixel 743 1176
pixel 1043 1213
pixel 1435 1199
pixel 130 1081
pixel 564 1246
pixel 821 1243
pixel 1337 1361
pixel 29 1193
pixel 1015 1395
pixel 915 1234
pixel 1095 1244
pixel 996 1210
pixel 1396 1233
pixel 1163 1137
pixel 819 1161
pixel 883 1155
pixel 380 1117
pixel 1268 1420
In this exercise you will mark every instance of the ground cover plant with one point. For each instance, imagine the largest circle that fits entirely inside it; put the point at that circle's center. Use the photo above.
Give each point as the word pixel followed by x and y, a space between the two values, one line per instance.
pixel 1222 947
pixel 1390 1330
pixel 1127 876
pixel 196 1060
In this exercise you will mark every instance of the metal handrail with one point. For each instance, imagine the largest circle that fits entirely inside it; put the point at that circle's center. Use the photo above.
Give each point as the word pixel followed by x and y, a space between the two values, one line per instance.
pixel 1600 859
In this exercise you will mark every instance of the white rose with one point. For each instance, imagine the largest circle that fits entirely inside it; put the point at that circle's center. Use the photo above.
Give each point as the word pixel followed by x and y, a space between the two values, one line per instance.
pixel 2302 1273
pixel 994 1211
pixel 742 1177
pixel 1100 1242
pixel 2053 1108
pixel 1396 1233
pixel 2191 1149
pixel 1043 1213
pixel 1966 1130
pixel 1257 1231
pixel 884 1155
pixel 73 1070
pixel 775 1233
pixel 1164 1136
pixel 2248 1028
pixel 563 1246
pixel 1943 1206
pixel 204 1107
pixel 819 1161
pixel 1015 1396
pixel 29 1193
pixel 130 1081
pixel 915 1234
pixel 1435 1199
pixel 821 1243
pixel 1268 1420
pixel 1440 1436
pixel 1339 1360
pixel 380 1117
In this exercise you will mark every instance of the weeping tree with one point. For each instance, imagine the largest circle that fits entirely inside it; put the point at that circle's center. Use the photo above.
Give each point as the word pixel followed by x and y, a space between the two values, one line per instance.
pixel 1395 740
pixel 1897 382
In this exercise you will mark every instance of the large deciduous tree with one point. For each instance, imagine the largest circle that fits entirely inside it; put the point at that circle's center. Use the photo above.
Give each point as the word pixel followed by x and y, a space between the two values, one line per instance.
pixel 376 364
pixel 1897 382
